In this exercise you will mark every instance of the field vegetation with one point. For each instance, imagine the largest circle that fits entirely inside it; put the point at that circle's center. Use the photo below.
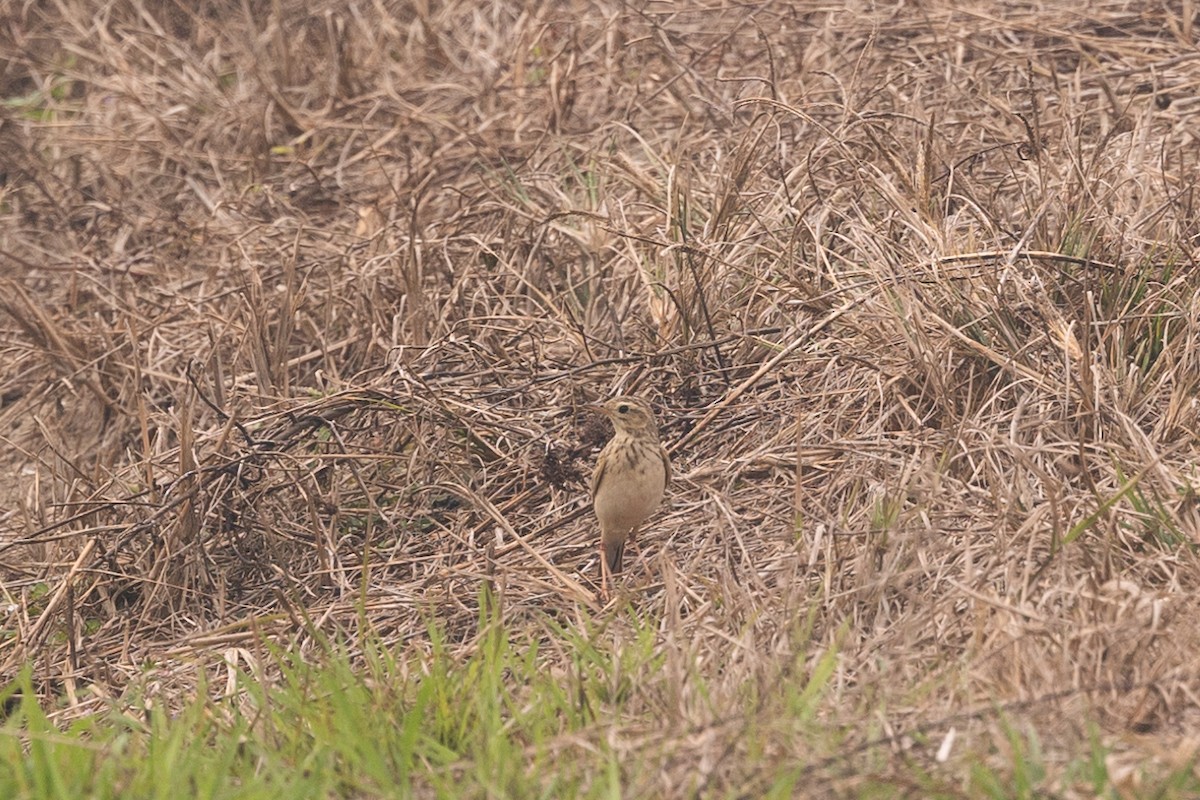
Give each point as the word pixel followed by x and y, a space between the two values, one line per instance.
pixel 301 304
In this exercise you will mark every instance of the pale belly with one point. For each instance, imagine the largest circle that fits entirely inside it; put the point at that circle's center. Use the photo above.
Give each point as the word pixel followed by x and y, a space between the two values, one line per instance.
pixel 631 497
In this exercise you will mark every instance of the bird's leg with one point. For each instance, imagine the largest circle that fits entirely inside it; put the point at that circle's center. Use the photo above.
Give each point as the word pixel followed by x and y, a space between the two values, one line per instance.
pixel 605 577
pixel 632 542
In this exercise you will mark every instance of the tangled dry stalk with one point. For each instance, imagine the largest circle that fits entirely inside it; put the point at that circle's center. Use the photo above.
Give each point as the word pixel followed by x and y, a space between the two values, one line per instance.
pixel 301 300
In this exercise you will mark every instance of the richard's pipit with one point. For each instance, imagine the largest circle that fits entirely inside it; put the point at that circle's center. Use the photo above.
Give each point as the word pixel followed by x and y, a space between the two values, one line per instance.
pixel 631 475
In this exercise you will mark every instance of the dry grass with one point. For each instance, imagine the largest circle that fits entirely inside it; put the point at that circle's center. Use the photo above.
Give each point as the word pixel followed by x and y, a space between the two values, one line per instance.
pixel 301 301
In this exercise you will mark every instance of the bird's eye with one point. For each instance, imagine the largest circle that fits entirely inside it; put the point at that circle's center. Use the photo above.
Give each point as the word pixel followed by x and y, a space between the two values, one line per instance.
pixel 622 409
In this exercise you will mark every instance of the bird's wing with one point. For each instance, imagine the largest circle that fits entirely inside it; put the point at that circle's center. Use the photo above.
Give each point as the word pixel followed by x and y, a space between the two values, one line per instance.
pixel 598 475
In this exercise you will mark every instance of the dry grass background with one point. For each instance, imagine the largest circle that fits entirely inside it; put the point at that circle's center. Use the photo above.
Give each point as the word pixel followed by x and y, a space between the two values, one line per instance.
pixel 301 302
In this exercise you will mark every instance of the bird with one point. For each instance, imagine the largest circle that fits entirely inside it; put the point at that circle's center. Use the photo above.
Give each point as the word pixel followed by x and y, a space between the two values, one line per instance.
pixel 631 475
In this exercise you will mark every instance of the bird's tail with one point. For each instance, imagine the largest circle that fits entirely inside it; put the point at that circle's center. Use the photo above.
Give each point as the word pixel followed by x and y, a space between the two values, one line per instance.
pixel 614 553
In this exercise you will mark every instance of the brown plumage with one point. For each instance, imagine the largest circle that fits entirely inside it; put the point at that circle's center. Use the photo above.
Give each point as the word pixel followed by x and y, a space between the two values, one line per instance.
pixel 632 473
